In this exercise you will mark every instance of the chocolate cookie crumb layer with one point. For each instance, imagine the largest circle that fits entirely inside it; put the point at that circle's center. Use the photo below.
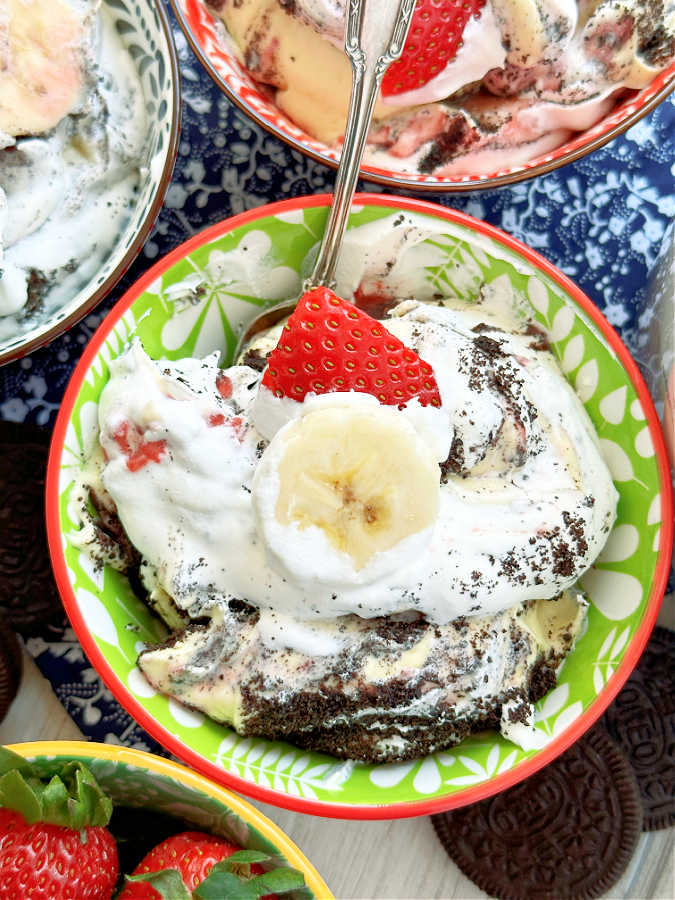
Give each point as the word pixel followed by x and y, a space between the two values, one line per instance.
pixel 569 831
pixel 642 721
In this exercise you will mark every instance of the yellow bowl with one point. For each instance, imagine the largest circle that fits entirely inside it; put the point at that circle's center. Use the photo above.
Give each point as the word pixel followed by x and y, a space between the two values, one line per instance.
pixel 140 779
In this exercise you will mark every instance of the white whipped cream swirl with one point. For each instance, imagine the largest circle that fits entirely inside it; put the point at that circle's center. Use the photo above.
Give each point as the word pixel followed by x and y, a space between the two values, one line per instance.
pixel 524 509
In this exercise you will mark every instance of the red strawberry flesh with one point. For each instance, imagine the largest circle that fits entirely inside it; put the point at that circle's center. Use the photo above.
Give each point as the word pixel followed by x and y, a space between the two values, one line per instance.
pixel 51 862
pixel 224 385
pixel 137 451
pixel 434 38
pixel 329 345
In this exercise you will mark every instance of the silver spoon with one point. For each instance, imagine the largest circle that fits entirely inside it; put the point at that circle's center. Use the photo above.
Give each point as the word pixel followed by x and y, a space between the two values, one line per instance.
pixel 376 32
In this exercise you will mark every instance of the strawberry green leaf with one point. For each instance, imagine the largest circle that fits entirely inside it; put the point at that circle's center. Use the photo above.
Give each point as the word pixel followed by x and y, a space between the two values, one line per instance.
pixel 245 856
pixel 225 880
pixel 10 760
pixel 220 884
pixel 277 881
pixel 54 798
pixel 20 795
pixel 167 882
pixel 72 798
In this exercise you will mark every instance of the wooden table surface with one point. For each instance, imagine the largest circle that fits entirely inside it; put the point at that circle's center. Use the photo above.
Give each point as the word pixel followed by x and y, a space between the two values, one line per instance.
pixel 368 860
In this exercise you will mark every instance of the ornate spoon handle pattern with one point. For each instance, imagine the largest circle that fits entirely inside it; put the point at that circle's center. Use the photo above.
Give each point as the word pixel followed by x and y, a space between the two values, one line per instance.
pixel 375 34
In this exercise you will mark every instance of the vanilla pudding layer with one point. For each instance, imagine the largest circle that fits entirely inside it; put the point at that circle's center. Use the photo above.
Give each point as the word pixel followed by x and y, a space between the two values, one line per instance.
pixel 528 74
pixel 73 129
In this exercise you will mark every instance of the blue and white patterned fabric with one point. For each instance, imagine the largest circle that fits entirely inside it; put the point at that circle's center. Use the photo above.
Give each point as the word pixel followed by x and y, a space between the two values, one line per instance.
pixel 600 220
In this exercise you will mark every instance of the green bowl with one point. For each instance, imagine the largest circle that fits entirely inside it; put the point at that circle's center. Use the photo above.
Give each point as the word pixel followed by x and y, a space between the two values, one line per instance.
pixel 142 780
pixel 263 254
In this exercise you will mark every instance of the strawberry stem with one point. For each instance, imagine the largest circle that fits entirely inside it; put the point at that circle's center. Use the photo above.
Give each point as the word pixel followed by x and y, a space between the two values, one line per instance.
pixel 71 798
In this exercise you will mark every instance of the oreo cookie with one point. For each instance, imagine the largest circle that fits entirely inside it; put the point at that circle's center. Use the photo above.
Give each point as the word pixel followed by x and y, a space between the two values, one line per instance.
pixel 569 831
pixel 29 599
pixel 11 667
pixel 642 721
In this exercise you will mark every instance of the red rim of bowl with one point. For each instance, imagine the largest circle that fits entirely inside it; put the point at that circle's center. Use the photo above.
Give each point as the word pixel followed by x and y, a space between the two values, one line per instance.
pixel 344 810
pixel 662 85
pixel 151 215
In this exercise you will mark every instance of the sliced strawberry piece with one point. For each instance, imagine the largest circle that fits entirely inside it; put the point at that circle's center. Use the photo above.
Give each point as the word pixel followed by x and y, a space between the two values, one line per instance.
pixel 330 345
pixel 137 451
pixel 146 452
pixel 224 385
pixel 121 437
pixel 434 38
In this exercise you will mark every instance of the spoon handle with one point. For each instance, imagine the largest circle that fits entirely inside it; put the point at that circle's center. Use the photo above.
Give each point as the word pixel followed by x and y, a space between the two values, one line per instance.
pixel 376 31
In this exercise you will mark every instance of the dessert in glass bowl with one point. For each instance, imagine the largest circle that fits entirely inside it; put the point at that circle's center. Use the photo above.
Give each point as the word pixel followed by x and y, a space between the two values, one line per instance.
pixel 482 87
pixel 88 121
pixel 366 535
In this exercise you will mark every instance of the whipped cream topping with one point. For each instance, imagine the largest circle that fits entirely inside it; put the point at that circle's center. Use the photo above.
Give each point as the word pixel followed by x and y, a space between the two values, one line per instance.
pixel 525 506
pixel 271 413
pixel 66 194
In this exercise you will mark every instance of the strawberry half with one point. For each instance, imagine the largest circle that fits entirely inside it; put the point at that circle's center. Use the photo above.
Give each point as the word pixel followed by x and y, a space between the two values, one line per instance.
pixel 434 38
pixel 330 345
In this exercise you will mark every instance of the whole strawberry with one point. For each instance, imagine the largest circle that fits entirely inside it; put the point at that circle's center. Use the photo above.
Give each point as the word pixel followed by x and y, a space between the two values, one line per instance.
pixel 329 345
pixel 197 865
pixel 434 38
pixel 53 841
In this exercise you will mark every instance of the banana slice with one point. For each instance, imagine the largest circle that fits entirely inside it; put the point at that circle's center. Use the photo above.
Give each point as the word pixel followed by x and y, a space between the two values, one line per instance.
pixel 41 64
pixel 345 493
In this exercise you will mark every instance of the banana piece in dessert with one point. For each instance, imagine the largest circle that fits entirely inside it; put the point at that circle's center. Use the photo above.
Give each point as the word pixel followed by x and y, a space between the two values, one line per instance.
pixel 364 477
pixel 42 45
